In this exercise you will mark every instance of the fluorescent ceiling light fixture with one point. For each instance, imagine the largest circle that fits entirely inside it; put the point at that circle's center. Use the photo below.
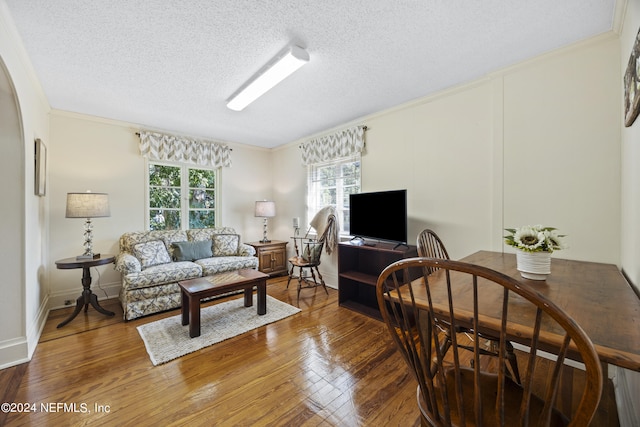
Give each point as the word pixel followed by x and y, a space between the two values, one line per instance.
pixel 283 65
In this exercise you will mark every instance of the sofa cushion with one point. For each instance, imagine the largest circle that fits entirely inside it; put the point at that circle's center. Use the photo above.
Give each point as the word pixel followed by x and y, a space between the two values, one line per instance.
pixel 226 263
pixel 130 239
pixel 151 253
pixel 225 244
pixel 162 274
pixel 191 251
pixel 197 234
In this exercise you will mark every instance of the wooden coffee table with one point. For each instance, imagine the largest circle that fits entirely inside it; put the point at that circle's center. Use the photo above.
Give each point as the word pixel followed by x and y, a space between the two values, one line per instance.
pixel 194 290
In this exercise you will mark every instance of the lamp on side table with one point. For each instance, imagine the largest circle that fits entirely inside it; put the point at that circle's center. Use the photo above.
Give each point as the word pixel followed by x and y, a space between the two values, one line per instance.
pixel 265 209
pixel 87 205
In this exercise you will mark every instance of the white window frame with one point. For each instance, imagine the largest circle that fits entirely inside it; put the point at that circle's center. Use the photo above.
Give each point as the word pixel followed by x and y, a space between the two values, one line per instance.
pixel 184 192
pixel 314 186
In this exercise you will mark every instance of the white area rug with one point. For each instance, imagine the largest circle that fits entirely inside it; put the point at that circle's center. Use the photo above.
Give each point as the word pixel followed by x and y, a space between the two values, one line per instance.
pixel 167 339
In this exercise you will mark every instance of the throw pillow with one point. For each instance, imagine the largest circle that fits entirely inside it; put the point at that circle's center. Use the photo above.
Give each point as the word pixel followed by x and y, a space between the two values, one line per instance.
pixel 312 251
pixel 225 244
pixel 191 251
pixel 151 253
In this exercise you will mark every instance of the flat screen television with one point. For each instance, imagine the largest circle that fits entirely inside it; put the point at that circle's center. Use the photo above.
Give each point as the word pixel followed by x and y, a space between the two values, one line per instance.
pixel 380 215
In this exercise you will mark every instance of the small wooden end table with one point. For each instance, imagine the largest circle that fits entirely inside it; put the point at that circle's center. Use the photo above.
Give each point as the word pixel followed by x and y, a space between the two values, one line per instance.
pixel 194 290
pixel 272 256
pixel 87 296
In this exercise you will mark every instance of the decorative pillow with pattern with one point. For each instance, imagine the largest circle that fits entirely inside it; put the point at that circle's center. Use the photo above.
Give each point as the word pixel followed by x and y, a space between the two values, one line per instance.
pixel 151 253
pixel 312 251
pixel 225 244
pixel 191 251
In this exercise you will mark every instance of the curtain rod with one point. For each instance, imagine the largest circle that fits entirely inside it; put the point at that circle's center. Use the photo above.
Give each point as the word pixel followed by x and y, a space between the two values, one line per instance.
pixel 363 128
pixel 230 149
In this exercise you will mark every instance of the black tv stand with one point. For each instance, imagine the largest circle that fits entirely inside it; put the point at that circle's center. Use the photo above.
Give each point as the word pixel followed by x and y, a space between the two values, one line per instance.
pixel 401 244
pixel 358 269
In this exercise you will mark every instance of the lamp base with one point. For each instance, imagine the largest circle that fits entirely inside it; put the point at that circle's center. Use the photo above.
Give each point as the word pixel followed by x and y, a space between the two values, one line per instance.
pixel 92 256
pixel 265 241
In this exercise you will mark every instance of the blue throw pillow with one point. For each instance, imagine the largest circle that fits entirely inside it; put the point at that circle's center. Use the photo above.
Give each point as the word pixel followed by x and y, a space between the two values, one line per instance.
pixel 191 251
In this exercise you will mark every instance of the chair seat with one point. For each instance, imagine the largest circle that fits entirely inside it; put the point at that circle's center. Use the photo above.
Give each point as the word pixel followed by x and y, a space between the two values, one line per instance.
pixel 298 261
pixel 512 395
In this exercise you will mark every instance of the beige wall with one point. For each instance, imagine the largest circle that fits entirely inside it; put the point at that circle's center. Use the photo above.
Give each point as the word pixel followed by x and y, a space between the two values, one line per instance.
pixel 23 307
pixel 630 161
pixel 627 383
pixel 562 149
pixel 99 156
pixel 536 143
pixel 89 153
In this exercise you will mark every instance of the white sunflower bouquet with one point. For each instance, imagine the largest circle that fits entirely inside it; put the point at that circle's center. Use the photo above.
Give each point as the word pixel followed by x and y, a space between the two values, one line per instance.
pixel 535 238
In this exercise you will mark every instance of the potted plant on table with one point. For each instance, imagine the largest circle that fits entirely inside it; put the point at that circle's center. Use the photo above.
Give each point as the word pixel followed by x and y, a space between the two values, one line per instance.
pixel 534 246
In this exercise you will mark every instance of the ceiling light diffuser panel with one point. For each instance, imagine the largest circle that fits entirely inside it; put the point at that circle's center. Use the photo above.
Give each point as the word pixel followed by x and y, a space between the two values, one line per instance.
pixel 283 65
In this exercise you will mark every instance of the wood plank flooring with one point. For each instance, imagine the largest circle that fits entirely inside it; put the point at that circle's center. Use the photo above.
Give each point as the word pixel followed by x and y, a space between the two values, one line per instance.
pixel 326 366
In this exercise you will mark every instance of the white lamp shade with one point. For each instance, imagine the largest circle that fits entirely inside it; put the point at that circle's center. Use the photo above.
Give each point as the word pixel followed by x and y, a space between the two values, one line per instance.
pixel 265 209
pixel 87 205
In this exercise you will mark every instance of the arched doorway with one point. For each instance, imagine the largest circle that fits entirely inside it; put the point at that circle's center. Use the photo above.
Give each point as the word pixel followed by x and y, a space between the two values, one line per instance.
pixel 12 211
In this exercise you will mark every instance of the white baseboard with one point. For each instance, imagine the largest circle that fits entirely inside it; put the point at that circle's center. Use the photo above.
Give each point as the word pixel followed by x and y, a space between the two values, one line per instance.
pixel 624 384
pixel 330 279
pixel 34 332
pixel 20 350
pixel 68 298
pixel 13 352
pixel 550 356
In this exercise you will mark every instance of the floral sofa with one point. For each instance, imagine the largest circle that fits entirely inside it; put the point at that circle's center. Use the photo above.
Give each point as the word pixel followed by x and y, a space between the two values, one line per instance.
pixel 152 263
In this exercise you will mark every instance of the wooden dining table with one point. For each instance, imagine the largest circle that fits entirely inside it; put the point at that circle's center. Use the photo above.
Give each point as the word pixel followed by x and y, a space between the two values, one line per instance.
pixel 595 295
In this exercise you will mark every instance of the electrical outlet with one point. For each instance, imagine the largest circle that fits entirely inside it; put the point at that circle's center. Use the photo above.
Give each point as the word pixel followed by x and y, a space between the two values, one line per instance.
pixel 68 302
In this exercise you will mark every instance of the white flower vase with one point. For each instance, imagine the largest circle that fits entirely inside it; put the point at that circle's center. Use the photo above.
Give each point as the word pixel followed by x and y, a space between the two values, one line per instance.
pixel 534 265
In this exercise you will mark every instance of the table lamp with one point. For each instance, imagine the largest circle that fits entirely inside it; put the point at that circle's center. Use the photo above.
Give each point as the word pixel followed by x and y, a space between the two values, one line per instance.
pixel 87 205
pixel 265 209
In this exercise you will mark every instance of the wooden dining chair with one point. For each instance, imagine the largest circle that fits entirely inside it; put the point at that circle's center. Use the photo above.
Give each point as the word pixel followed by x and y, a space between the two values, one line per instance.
pixel 481 299
pixel 430 245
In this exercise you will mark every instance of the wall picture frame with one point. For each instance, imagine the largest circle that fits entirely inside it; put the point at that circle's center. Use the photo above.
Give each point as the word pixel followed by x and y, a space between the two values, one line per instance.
pixel 40 187
pixel 632 84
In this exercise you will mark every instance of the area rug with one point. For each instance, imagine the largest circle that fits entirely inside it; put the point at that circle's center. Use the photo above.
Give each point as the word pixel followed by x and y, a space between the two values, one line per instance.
pixel 167 339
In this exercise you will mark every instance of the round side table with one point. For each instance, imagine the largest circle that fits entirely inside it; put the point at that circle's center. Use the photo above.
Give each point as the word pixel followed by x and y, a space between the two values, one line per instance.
pixel 87 296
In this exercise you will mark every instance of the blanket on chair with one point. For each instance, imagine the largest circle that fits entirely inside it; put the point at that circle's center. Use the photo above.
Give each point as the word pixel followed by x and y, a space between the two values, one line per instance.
pixel 327 217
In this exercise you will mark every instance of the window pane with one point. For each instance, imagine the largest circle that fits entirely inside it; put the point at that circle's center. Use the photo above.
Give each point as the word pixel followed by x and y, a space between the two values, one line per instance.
pixel 201 199
pixel 202 178
pixel 164 198
pixel 164 176
pixel 346 222
pixel 179 194
pixel 164 219
pixel 202 219
pixel 326 176
pixel 331 184
pixel 328 197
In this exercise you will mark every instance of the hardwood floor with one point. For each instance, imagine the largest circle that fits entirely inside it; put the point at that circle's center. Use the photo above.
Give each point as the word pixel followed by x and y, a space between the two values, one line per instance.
pixel 326 366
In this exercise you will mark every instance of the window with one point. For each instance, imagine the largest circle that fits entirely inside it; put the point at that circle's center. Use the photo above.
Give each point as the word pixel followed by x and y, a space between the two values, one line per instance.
pixel 330 184
pixel 181 197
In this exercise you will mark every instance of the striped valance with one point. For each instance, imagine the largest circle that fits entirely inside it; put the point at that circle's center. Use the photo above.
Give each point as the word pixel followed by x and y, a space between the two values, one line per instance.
pixel 160 146
pixel 342 144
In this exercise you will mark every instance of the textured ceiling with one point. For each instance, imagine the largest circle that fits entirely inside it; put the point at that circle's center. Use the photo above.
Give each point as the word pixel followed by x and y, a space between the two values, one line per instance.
pixel 170 65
